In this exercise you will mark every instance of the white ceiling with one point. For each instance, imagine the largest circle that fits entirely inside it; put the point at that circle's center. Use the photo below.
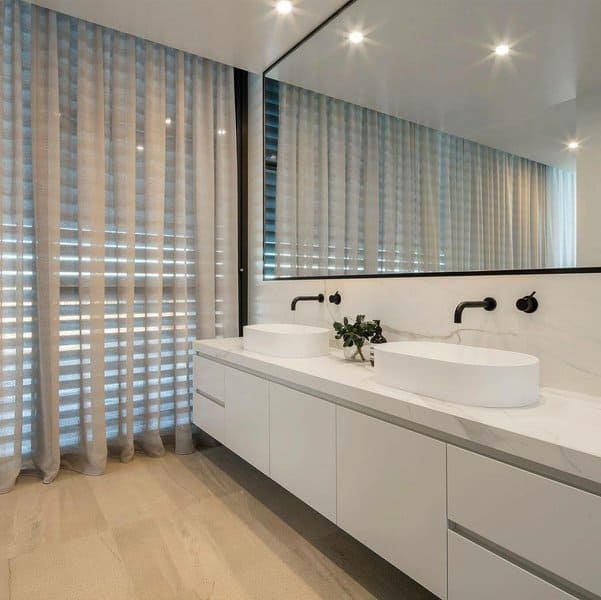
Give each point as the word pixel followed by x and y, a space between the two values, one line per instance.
pixel 244 33
pixel 432 62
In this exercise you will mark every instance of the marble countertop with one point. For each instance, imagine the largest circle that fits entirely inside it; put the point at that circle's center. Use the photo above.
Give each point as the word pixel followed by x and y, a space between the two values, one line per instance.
pixel 561 432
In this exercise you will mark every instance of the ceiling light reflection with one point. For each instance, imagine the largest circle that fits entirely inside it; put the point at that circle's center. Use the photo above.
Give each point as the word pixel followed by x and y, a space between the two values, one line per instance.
pixel 284 7
pixel 356 37
pixel 502 50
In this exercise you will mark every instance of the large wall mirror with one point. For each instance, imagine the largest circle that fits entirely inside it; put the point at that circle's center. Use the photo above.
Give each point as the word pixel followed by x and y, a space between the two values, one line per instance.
pixel 409 137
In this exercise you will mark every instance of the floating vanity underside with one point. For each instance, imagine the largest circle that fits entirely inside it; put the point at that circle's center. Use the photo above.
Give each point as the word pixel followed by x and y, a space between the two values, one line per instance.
pixel 470 502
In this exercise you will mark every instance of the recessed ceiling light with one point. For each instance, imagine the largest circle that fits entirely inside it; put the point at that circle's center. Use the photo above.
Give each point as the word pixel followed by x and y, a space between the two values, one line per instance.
pixel 355 37
pixel 140 148
pixel 502 50
pixel 168 121
pixel 573 145
pixel 284 7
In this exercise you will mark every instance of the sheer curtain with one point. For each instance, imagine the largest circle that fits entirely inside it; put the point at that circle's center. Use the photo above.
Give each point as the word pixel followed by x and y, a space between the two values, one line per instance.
pixel 119 239
pixel 359 191
pixel 326 220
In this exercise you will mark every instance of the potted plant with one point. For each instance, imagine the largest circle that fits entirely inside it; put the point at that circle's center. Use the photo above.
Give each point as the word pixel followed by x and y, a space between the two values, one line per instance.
pixel 354 336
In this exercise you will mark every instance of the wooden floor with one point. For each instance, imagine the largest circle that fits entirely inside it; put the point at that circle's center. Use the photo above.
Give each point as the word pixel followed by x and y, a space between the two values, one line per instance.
pixel 205 525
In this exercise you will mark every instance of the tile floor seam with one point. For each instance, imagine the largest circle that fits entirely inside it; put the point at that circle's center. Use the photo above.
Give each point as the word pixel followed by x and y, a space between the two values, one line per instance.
pixel 10 577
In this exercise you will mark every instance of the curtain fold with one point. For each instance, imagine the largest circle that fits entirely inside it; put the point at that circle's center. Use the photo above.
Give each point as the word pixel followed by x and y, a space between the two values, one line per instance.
pixel 46 163
pixel 362 192
pixel 89 446
pixel 123 129
pixel 153 145
pixel 119 239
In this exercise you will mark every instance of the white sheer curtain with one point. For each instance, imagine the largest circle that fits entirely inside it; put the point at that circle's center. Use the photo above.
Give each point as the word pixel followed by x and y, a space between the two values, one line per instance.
pixel 119 239
pixel 363 192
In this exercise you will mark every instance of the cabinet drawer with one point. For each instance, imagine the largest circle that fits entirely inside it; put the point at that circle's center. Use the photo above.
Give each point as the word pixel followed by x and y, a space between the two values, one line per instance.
pixel 247 417
pixel 392 497
pixel 209 416
pixel 302 447
pixel 209 377
pixel 553 525
pixel 475 573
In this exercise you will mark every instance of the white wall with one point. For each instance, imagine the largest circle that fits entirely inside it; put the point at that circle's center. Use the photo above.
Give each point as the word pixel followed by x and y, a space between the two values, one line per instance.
pixel 565 333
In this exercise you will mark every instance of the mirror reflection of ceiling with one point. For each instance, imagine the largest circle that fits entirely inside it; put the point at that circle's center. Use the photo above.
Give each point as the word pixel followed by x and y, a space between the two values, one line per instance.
pixel 433 62
pixel 249 34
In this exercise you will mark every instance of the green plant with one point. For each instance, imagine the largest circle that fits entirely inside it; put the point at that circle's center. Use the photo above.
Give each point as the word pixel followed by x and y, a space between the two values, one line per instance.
pixel 355 334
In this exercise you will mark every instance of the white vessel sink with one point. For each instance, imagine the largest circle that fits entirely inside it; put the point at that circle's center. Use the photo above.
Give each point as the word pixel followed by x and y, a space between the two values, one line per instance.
pixel 462 374
pixel 287 341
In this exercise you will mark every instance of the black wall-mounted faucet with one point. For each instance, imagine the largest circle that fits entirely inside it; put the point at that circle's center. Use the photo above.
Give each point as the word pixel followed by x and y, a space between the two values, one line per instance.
pixel 319 298
pixel 486 304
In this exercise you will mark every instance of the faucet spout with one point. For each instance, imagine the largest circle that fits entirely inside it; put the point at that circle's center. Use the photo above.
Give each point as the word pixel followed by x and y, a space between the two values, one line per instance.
pixel 319 298
pixel 486 304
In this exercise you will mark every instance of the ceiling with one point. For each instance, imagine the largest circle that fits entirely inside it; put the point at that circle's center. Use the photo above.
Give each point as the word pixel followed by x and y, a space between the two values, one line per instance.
pixel 244 33
pixel 433 62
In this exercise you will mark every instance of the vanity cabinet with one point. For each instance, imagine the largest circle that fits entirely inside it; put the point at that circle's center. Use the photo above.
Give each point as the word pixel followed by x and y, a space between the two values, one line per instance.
pixel 247 417
pixel 208 402
pixel 209 378
pixel 551 525
pixel 463 525
pixel 475 573
pixel 209 415
pixel 302 432
pixel 392 495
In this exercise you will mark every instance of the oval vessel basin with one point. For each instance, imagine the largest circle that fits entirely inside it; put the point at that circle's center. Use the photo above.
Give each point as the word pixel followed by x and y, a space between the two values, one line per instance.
pixel 462 374
pixel 287 341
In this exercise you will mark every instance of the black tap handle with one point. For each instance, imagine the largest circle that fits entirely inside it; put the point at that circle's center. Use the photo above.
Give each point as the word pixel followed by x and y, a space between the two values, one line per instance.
pixel 335 298
pixel 527 304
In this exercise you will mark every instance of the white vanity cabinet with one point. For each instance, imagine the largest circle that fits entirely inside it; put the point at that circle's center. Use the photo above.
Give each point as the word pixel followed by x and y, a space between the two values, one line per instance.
pixel 247 417
pixel 475 573
pixel 233 407
pixel 209 415
pixel 553 526
pixel 463 525
pixel 392 495
pixel 208 403
pixel 302 432
pixel 209 378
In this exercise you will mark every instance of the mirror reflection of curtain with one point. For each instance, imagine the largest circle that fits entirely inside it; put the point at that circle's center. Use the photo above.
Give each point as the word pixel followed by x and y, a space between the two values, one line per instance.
pixel 363 192
pixel 324 223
